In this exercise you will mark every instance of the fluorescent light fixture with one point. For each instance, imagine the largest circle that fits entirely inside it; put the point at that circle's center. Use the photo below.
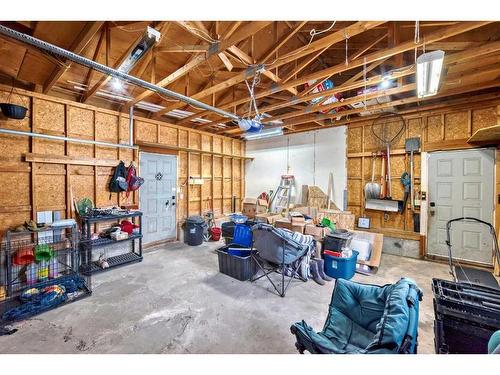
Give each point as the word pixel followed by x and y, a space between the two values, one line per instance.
pixel 150 38
pixel 429 66
pixel 268 133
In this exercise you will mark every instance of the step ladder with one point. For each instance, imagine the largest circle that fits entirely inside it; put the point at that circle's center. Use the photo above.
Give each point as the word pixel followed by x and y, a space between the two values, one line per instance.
pixel 281 198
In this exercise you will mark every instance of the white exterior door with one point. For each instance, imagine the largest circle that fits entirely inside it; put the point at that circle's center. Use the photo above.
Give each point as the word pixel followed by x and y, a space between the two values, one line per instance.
pixel 158 196
pixel 461 184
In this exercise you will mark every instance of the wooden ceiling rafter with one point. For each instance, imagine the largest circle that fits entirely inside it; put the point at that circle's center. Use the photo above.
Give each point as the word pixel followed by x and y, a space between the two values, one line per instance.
pixel 242 33
pixel 448 104
pixel 353 29
pixel 97 52
pixel 106 78
pixel 450 59
pixel 375 56
pixel 79 44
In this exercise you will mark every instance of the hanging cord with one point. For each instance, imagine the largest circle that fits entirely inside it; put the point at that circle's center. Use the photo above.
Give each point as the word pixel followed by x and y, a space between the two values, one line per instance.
pixel 314 160
pixel 251 91
pixel 312 33
pixel 288 155
pixel 416 39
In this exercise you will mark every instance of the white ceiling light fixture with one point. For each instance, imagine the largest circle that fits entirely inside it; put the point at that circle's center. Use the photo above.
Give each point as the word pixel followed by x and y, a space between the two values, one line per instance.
pixel 149 39
pixel 429 66
pixel 268 133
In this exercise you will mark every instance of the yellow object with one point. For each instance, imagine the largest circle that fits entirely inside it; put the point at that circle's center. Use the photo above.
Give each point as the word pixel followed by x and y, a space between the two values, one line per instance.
pixel 2 293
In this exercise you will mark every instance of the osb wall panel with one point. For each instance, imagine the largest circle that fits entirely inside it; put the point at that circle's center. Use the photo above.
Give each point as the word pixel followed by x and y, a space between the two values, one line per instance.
pixel 438 130
pixel 44 186
pixel 50 116
pixel 54 183
pixel 195 141
pixel 146 131
pixel 168 135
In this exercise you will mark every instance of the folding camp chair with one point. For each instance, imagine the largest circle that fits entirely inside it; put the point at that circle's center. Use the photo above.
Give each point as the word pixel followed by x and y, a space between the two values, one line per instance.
pixel 277 251
pixel 366 319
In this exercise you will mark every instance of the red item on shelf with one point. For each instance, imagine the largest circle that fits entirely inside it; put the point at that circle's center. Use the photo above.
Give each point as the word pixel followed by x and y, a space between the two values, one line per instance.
pixel 128 227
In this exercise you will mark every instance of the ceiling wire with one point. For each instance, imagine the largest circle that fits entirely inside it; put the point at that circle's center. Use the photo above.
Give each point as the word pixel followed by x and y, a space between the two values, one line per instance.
pixel 312 33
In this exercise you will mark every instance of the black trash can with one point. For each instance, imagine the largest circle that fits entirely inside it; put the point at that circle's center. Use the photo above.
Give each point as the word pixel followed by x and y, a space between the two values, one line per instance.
pixel 195 226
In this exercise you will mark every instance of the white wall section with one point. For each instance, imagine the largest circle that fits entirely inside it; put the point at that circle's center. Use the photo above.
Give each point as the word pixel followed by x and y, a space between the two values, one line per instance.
pixel 270 162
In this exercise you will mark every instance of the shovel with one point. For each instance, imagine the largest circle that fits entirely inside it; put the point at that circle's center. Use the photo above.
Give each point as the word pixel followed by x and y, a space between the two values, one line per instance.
pixel 372 189
pixel 412 145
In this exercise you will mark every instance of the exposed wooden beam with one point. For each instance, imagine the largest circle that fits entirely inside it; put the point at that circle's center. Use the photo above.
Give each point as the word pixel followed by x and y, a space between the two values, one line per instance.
pixel 242 33
pixel 354 29
pixel 95 57
pixel 374 56
pixel 470 57
pixel 79 44
pixel 186 48
pixel 394 103
pixel 448 104
pixel 362 50
pixel 248 60
pixel 282 42
pixel 106 78
pixel 222 56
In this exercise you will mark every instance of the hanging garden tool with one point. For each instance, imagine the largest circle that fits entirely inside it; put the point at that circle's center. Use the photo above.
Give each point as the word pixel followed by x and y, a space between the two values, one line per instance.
pixel 388 127
pixel 406 182
pixel 412 145
pixel 372 189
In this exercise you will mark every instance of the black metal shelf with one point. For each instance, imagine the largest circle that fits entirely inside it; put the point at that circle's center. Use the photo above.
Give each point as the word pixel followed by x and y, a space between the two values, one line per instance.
pixel 109 241
pixel 122 215
pixel 88 266
pixel 116 261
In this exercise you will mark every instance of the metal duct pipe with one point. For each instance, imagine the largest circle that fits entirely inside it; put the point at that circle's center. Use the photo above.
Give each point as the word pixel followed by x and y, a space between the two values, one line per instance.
pixel 131 125
pixel 68 139
pixel 55 50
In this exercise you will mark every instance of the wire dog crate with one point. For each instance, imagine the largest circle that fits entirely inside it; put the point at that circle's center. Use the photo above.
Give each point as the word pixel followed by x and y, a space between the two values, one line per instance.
pixel 39 271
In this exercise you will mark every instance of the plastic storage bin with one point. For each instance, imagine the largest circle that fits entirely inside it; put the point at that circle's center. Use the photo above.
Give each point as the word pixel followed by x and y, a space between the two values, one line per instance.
pixel 242 235
pixel 336 240
pixel 341 268
pixel 240 268
pixel 465 317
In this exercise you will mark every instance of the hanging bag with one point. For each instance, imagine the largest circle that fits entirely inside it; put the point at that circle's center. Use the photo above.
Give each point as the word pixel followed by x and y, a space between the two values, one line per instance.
pixel 134 182
pixel 118 182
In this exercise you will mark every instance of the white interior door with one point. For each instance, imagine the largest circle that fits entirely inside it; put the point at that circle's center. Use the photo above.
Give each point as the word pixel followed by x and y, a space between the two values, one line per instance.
pixel 461 184
pixel 158 196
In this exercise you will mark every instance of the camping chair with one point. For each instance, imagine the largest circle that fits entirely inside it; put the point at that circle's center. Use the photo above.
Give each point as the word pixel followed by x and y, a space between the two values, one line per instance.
pixel 366 319
pixel 279 250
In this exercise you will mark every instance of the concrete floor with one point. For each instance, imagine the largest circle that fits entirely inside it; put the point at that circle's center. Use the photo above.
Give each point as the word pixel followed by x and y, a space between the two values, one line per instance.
pixel 176 301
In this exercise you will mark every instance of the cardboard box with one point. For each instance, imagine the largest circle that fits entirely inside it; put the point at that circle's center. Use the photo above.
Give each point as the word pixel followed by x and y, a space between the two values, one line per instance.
pixel 342 219
pixel 298 228
pixel 317 232
pixel 312 212
pixel 376 240
pixel 268 218
pixel 249 207
pixel 297 218
pixel 283 223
